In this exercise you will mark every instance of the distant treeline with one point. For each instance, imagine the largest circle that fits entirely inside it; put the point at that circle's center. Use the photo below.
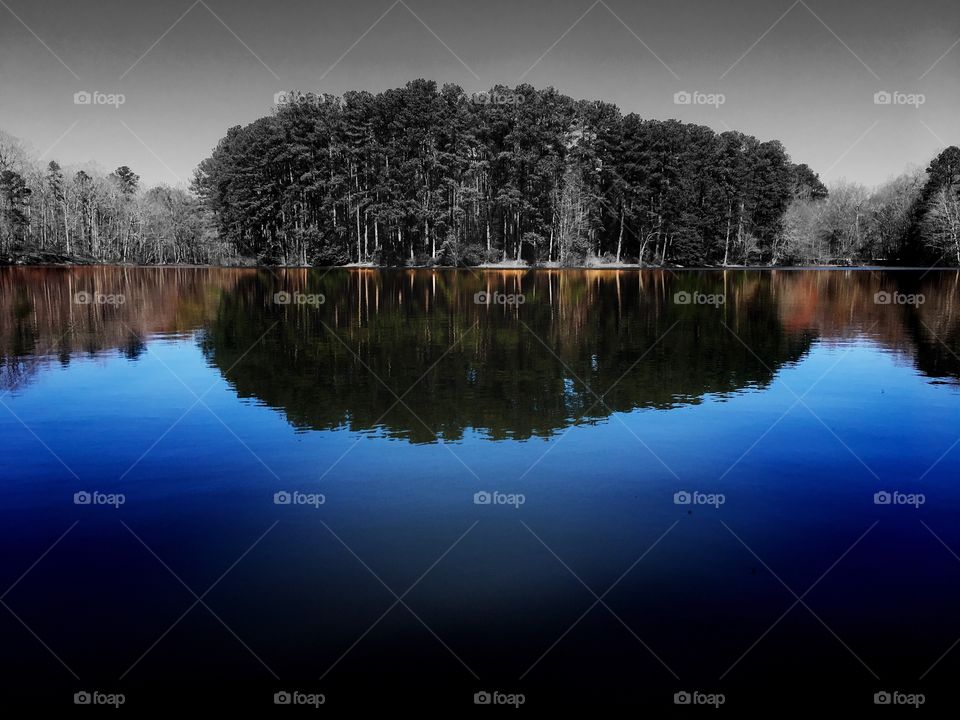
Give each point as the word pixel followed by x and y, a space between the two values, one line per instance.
pixel 49 213
pixel 913 219
pixel 421 175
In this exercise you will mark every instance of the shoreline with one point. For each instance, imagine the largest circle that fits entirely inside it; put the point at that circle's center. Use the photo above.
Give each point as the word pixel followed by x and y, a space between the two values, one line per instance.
pixel 13 262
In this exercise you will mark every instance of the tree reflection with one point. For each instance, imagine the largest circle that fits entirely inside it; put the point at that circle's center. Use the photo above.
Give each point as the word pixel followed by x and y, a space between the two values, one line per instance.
pixel 582 344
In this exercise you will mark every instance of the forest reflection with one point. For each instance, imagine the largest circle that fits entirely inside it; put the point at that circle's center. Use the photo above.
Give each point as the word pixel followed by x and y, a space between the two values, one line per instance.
pixel 411 353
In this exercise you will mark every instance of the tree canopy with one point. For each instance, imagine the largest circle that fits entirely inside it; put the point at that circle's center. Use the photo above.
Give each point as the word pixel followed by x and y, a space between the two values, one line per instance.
pixel 421 173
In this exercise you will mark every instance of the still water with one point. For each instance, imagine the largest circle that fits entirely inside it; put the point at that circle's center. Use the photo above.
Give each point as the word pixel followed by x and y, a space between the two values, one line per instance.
pixel 409 487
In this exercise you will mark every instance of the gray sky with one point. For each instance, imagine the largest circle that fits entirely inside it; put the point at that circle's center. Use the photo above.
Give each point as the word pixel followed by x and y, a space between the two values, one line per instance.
pixel 803 72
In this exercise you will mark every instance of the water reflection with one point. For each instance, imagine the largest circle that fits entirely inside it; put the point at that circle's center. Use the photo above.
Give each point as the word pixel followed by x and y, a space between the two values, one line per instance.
pixel 52 315
pixel 412 355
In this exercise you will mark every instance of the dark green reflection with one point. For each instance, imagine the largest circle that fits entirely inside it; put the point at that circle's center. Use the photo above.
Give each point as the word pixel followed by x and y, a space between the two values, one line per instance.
pixel 512 371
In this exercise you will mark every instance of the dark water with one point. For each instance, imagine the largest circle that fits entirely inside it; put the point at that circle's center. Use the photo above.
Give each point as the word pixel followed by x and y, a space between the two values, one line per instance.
pixel 584 411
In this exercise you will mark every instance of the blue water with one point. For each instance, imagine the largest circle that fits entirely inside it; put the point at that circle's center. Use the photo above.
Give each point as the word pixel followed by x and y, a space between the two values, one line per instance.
pixel 496 588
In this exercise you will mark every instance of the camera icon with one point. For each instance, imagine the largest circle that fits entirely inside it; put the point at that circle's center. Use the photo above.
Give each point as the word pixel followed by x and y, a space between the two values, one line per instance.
pixel 481 298
pixel 882 97
pixel 82 97
pixel 682 98
pixel 682 298
pixel 83 298
pixel 682 698
pixel 282 498
pixel 482 698
pixel 82 698
pixel 82 498
pixel 882 498
pixel 281 98
pixel 282 298
pixel 682 498
pixel 882 698
pixel 482 498
pixel 282 698
pixel 882 298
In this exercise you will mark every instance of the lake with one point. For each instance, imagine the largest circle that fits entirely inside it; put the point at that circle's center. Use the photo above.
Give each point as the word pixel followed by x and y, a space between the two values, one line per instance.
pixel 408 487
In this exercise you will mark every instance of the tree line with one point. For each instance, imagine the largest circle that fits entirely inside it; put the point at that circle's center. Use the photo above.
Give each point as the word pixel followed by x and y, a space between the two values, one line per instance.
pixel 913 219
pixel 425 175
pixel 49 213
pixel 420 174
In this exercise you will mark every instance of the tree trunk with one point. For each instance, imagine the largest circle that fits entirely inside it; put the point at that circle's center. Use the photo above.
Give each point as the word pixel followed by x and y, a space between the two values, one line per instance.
pixel 726 242
pixel 620 236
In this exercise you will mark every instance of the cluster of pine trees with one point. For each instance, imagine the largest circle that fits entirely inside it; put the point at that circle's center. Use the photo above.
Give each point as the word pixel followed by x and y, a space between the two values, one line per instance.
pixel 420 174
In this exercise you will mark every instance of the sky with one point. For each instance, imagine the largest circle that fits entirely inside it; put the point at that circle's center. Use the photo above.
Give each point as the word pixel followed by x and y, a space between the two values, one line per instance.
pixel 805 72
